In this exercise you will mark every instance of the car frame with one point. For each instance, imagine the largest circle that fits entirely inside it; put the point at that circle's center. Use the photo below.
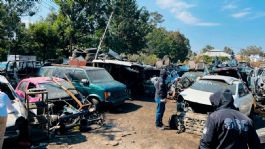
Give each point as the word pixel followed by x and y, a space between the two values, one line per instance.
pixel 19 105
pixel 110 92
pixel 243 99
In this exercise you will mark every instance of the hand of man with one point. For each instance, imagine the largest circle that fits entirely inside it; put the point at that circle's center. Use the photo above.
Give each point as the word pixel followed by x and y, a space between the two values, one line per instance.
pixel 163 100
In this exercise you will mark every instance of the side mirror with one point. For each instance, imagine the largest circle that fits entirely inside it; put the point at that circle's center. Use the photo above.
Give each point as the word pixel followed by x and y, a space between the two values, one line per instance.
pixel 85 82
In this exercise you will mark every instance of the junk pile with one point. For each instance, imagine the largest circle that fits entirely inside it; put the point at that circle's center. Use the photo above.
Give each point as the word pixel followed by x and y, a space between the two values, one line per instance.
pixel 61 115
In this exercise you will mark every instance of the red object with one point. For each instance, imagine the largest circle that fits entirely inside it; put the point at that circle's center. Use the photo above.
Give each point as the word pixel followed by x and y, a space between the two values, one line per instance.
pixel 76 62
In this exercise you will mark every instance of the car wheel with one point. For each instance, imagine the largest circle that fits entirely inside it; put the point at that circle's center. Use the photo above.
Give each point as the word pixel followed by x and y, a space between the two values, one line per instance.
pixel 95 104
pixel 173 122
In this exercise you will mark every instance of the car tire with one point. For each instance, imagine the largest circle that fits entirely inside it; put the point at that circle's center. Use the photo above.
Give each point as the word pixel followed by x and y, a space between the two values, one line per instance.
pixel 173 122
pixel 96 104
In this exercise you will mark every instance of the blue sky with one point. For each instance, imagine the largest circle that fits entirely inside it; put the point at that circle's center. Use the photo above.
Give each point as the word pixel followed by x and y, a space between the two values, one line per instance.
pixel 233 23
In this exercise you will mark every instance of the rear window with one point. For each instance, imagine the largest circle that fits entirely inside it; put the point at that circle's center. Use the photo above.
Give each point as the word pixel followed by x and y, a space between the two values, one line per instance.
pixel 97 76
pixel 212 86
pixel 55 91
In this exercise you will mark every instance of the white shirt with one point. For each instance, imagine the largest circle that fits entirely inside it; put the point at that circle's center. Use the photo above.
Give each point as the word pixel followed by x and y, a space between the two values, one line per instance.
pixel 5 104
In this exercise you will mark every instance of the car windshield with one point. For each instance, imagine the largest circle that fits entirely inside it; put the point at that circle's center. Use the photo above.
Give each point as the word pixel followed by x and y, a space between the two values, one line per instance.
pixel 193 75
pixel 212 86
pixel 229 72
pixel 97 76
pixel 55 91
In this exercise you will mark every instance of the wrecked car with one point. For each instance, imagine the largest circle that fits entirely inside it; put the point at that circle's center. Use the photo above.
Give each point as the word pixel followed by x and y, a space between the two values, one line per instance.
pixel 102 88
pixel 256 81
pixel 134 75
pixel 55 92
pixel 13 117
pixel 199 93
pixel 197 104
pixel 66 107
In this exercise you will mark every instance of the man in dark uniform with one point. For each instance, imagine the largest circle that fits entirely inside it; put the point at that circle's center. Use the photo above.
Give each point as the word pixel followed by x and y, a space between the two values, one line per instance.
pixel 227 128
pixel 160 98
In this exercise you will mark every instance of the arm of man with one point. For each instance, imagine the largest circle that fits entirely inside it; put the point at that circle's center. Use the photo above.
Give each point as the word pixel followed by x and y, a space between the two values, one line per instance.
pixel 207 140
pixel 253 139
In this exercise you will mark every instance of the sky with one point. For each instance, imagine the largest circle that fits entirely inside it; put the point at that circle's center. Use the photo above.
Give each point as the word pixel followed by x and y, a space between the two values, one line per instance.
pixel 233 23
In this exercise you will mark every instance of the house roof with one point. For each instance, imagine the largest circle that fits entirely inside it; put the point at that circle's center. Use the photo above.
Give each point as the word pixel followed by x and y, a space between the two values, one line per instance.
pixel 218 53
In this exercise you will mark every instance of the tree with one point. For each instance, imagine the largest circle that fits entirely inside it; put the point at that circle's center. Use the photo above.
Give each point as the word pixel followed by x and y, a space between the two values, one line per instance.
pixel 251 50
pixel 207 48
pixel 12 30
pixel 228 50
pixel 128 27
pixel 173 44
pixel 155 19
pixel 45 39
pixel 81 23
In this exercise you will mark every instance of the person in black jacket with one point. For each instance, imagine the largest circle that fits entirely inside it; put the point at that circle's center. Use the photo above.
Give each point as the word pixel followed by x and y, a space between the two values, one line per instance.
pixel 227 128
pixel 160 98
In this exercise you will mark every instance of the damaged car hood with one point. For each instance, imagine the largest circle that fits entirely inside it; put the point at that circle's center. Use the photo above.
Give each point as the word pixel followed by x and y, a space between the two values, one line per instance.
pixel 196 96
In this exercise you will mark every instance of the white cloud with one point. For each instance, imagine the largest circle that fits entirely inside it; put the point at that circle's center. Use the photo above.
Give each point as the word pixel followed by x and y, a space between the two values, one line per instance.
pixel 230 5
pixel 181 10
pixel 242 13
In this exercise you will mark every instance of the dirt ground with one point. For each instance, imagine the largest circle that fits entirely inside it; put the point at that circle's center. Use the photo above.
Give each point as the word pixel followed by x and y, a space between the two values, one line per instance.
pixel 131 126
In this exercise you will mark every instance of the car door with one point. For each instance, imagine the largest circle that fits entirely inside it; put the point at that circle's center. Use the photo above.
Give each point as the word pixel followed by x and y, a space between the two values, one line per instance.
pixel 77 77
pixel 245 99
pixel 33 98
pixel 21 89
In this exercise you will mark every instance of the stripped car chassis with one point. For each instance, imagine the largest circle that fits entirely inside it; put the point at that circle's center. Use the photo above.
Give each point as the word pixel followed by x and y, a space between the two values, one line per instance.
pixel 58 121
pixel 185 119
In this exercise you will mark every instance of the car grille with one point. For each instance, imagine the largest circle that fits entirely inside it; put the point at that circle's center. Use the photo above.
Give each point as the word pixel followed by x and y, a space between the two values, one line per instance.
pixel 119 93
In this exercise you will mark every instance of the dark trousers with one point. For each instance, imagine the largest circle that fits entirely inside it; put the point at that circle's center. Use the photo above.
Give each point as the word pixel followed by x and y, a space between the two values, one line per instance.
pixel 160 109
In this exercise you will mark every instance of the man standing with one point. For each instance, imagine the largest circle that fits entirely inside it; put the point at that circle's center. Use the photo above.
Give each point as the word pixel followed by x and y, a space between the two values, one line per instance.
pixel 227 128
pixel 160 98
pixel 5 104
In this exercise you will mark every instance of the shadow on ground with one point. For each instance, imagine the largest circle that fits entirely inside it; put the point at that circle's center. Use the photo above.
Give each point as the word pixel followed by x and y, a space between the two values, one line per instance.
pixel 144 98
pixel 127 107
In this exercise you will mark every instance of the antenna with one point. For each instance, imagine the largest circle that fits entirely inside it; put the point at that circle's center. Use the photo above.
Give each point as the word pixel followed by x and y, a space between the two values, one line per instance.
pixel 101 39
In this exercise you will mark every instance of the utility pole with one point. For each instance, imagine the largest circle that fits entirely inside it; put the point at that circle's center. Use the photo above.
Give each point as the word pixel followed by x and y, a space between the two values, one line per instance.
pixel 102 38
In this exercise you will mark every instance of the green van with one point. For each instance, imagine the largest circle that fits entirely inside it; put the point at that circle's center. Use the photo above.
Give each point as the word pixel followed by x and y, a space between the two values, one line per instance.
pixel 102 88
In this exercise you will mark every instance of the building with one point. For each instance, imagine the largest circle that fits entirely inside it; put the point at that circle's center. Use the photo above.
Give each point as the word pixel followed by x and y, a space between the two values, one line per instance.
pixel 217 53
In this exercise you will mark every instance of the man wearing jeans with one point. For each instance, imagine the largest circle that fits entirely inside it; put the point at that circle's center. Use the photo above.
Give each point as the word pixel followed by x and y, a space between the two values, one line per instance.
pixel 5 104
pixel 160 96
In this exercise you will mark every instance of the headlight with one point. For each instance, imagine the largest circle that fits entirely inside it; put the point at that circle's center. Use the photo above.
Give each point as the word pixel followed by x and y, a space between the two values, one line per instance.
pixel 107 95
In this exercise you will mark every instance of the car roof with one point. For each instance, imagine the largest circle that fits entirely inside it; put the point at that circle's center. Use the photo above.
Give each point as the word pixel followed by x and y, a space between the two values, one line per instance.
pixel 3 79
pixel 75 67
pixel 226 79
pixel 41 79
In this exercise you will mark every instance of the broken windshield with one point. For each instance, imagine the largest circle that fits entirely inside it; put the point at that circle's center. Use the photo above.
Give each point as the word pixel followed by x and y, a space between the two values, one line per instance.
pixel 213 86
pixel 55 91
pixel 97 76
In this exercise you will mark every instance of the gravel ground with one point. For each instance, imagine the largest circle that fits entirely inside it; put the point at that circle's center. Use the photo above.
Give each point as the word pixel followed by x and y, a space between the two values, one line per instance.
pixel 130 126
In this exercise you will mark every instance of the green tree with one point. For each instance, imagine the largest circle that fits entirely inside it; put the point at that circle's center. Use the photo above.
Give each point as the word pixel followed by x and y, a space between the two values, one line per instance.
pixel 128 27
pixel 207 48
pixel 173 44
pixel 251 50
pixel 228 50
pixel 45 40
pixel 81 23
pixel 12 30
